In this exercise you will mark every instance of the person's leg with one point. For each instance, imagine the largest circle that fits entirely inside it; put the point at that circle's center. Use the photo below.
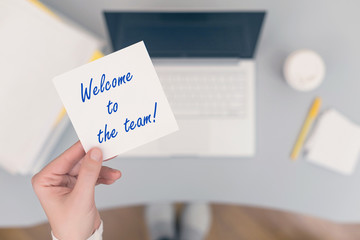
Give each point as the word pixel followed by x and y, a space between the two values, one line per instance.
pixel 160 219
pixel 195 221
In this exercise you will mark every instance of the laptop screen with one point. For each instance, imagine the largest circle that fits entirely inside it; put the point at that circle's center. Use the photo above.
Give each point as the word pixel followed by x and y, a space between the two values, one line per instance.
pixel 187 34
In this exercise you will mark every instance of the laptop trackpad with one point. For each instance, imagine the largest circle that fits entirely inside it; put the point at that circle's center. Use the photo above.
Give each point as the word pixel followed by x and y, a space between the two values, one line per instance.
pixel 191 139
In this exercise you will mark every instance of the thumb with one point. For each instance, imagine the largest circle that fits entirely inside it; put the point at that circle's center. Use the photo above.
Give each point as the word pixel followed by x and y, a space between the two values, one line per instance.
pixel 89 172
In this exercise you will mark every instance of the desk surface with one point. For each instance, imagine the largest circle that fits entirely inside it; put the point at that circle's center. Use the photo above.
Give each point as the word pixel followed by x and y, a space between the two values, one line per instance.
pixel 269 179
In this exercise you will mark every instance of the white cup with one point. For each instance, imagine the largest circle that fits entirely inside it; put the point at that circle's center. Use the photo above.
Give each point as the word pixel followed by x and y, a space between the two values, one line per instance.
pixel 304 70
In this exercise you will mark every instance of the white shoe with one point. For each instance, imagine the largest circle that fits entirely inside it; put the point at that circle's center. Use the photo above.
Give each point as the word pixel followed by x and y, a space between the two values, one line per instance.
pixel 160 219
pixel 195 221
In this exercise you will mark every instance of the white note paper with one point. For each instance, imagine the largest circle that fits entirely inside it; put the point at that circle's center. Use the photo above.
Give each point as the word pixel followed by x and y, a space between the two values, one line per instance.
pixel 117 102
pixel 335 143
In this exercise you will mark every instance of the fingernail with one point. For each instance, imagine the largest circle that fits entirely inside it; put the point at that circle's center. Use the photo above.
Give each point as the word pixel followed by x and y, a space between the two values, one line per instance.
pixel 95 155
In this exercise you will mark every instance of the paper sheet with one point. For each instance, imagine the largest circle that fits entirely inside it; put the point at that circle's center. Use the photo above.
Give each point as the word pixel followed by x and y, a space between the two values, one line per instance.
pixel 335 143
pixel 117 102
pixel 34 47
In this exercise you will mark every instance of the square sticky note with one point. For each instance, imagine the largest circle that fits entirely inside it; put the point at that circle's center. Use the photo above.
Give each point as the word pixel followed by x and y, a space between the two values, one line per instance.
pixel 335 143
pixel 116 102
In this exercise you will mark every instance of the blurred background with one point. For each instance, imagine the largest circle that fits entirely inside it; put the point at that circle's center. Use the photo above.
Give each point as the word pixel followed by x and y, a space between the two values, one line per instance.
pixel 265 93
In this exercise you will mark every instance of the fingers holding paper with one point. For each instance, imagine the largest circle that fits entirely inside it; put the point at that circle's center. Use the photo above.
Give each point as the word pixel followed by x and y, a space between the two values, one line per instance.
pixel 66 187
pixel 64 170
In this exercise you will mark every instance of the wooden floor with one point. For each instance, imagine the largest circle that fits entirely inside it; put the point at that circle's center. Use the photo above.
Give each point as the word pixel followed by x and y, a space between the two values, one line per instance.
pixel 229 223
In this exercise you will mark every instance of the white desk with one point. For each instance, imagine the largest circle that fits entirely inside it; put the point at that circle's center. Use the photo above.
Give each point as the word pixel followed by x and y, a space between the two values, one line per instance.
pixel 269 179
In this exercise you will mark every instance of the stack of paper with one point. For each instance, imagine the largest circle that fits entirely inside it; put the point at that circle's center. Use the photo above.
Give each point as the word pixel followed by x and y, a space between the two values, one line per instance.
pixel 335 143
pixel 35 46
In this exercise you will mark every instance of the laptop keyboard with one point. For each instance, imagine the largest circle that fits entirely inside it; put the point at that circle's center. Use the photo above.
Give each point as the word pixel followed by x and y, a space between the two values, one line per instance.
pixel 210 94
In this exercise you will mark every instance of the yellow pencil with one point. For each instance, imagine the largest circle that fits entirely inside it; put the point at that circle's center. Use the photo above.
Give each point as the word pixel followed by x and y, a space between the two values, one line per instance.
pixel 306 127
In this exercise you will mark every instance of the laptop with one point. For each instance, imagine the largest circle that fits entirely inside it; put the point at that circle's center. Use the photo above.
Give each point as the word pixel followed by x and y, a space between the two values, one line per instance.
pixel 205 63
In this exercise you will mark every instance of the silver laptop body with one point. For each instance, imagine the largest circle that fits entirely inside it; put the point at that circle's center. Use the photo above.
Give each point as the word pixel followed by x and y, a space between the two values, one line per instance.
pixel 205 63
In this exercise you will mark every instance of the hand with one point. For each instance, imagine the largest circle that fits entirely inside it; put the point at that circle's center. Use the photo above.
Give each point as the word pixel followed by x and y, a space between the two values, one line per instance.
pixel 66 187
